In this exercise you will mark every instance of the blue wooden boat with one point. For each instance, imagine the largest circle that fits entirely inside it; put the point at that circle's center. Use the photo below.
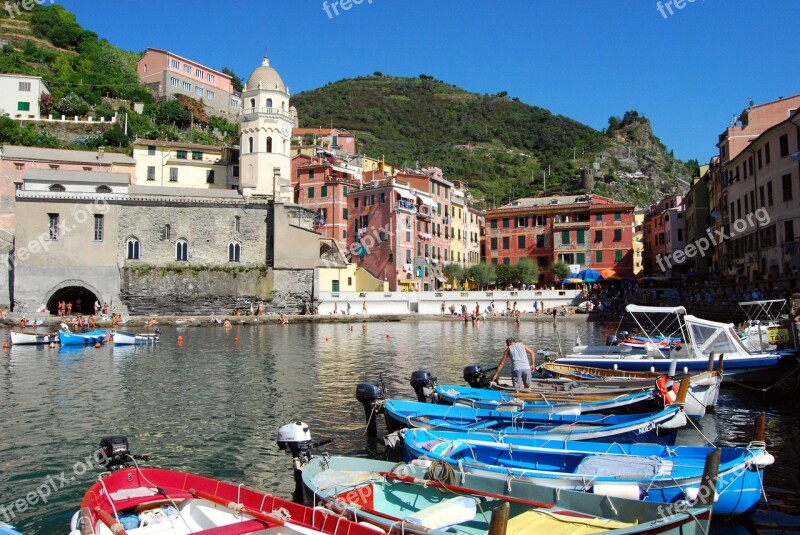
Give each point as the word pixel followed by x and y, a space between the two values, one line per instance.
pixel 659 427
pixel 483 398
pixel 7 529
pixel 639 471
pixel 87 338
pixel 406 498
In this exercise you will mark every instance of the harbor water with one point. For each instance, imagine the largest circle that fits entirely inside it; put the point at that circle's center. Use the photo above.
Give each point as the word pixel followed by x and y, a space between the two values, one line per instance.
pixel 212 405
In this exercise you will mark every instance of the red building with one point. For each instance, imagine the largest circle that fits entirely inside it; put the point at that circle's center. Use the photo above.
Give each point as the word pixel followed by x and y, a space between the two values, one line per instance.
pixel 322 184
pixel 331 138
pixel 591 231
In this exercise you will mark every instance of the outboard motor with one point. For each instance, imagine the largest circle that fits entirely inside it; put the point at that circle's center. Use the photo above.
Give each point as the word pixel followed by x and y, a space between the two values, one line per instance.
pixel 295 438
pixel 475 376
pixel 116 453
pixel 368 394
pixel 624 335
pixel 423 383
pixel 611 340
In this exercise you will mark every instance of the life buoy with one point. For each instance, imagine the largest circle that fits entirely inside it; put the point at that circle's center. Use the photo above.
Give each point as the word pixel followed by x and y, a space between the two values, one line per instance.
pixel 668 393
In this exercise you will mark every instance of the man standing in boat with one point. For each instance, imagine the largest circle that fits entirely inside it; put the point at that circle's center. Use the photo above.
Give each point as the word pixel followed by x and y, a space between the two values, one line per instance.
pixel 520 365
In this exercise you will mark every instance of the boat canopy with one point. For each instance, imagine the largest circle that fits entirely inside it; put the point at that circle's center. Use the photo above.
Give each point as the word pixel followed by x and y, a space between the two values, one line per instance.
pixel 707 336
pixel 639 309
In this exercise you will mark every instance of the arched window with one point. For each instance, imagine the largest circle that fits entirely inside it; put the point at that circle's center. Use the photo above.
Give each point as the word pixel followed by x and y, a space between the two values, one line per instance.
pixel 250 144
pixel 252 103
pixel 103 189
pixel 234 251
pixel 133 249
pixel 283 105
pixel 269 144
pixel 269 103
pixel 182 251
pixel 57 187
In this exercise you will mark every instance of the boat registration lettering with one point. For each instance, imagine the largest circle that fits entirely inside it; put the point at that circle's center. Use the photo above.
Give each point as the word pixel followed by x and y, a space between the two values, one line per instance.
pixel 646 428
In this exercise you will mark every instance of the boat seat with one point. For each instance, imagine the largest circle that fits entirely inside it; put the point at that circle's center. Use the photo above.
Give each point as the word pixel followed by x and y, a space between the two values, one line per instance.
pixel 240 528
pixel 623 466
pixel 565 523
pixel 449 512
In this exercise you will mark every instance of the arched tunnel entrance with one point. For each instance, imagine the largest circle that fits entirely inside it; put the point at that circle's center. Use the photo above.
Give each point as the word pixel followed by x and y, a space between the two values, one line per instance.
pixel 82 300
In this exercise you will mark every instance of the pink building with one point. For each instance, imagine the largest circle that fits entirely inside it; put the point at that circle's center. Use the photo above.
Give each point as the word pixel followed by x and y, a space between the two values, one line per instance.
pixel 664 236
pixel 331 138
pixel 385 218
pixel 761 187
pixel 168 75
pixel 16 161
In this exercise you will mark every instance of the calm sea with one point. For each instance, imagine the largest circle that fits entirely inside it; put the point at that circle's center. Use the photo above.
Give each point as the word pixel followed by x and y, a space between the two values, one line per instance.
pixel 213 406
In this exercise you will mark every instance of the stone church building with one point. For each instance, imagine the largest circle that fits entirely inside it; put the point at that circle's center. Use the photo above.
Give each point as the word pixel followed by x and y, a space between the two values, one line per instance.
pixel 86 235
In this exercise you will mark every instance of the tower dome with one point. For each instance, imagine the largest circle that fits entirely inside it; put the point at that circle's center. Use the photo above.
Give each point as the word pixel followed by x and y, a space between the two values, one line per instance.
pixel 266 77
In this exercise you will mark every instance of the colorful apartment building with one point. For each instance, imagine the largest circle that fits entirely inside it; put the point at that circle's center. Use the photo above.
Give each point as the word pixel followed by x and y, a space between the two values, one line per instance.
pixel 761 210
pixel 183 165
pixel 322 184
pixel 589 231
pixel 168 75
pixel 665 237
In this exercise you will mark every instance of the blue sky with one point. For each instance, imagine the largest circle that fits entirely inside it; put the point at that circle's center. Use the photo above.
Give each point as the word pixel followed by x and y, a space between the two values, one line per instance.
pixel 689 72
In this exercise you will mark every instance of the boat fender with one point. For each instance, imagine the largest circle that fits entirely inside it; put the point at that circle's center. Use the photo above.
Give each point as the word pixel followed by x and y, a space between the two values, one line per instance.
pixel 617 490
pixel 762 459
pixel 669 393
pixel 678 421
pixel 692 492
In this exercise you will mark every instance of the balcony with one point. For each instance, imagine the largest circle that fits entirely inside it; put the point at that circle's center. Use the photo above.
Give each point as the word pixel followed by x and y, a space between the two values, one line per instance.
pixel 405 206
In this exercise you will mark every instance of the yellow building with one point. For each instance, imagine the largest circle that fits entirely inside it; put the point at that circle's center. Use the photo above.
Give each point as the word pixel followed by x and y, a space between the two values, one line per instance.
pixel 350 278
pixel 638 243
pixel 458 236
pixel 184 165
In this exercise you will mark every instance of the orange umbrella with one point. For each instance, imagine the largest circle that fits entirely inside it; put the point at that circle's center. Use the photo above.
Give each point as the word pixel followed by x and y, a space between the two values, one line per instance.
pixel 608 273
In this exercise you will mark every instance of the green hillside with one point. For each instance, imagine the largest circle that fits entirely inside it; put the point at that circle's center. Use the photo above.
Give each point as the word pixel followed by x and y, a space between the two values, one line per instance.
pixel 86 75
pixel 502 147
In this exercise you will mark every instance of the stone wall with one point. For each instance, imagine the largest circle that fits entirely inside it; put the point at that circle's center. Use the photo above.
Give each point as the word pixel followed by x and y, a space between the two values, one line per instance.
pixel 166 291
pixel 208 228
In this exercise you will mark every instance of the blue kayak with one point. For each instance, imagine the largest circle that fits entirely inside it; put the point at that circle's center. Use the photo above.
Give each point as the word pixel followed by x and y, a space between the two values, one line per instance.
pixel 6 529
pixel 640 471
pixel 659 427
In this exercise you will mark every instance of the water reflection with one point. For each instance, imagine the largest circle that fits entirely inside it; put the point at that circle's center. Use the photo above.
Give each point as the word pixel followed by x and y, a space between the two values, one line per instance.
pixel 212 405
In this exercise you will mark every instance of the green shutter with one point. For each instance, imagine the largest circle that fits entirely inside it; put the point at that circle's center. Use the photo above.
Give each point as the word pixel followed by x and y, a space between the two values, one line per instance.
pixel 344 213
pixel 581 258
pixel 565 237
pixel 618 255
pixel 310 193
pixel 598 257
pixel 324 192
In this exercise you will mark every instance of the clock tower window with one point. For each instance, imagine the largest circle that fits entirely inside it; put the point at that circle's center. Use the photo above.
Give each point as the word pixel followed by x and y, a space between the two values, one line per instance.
pixel 269 144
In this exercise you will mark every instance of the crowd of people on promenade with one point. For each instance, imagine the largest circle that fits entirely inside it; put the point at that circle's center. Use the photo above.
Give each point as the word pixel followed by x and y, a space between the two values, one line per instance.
pixel 610 299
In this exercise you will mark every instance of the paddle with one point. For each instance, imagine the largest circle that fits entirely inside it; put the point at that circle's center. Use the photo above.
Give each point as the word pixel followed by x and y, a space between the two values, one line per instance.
pixel 464 490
